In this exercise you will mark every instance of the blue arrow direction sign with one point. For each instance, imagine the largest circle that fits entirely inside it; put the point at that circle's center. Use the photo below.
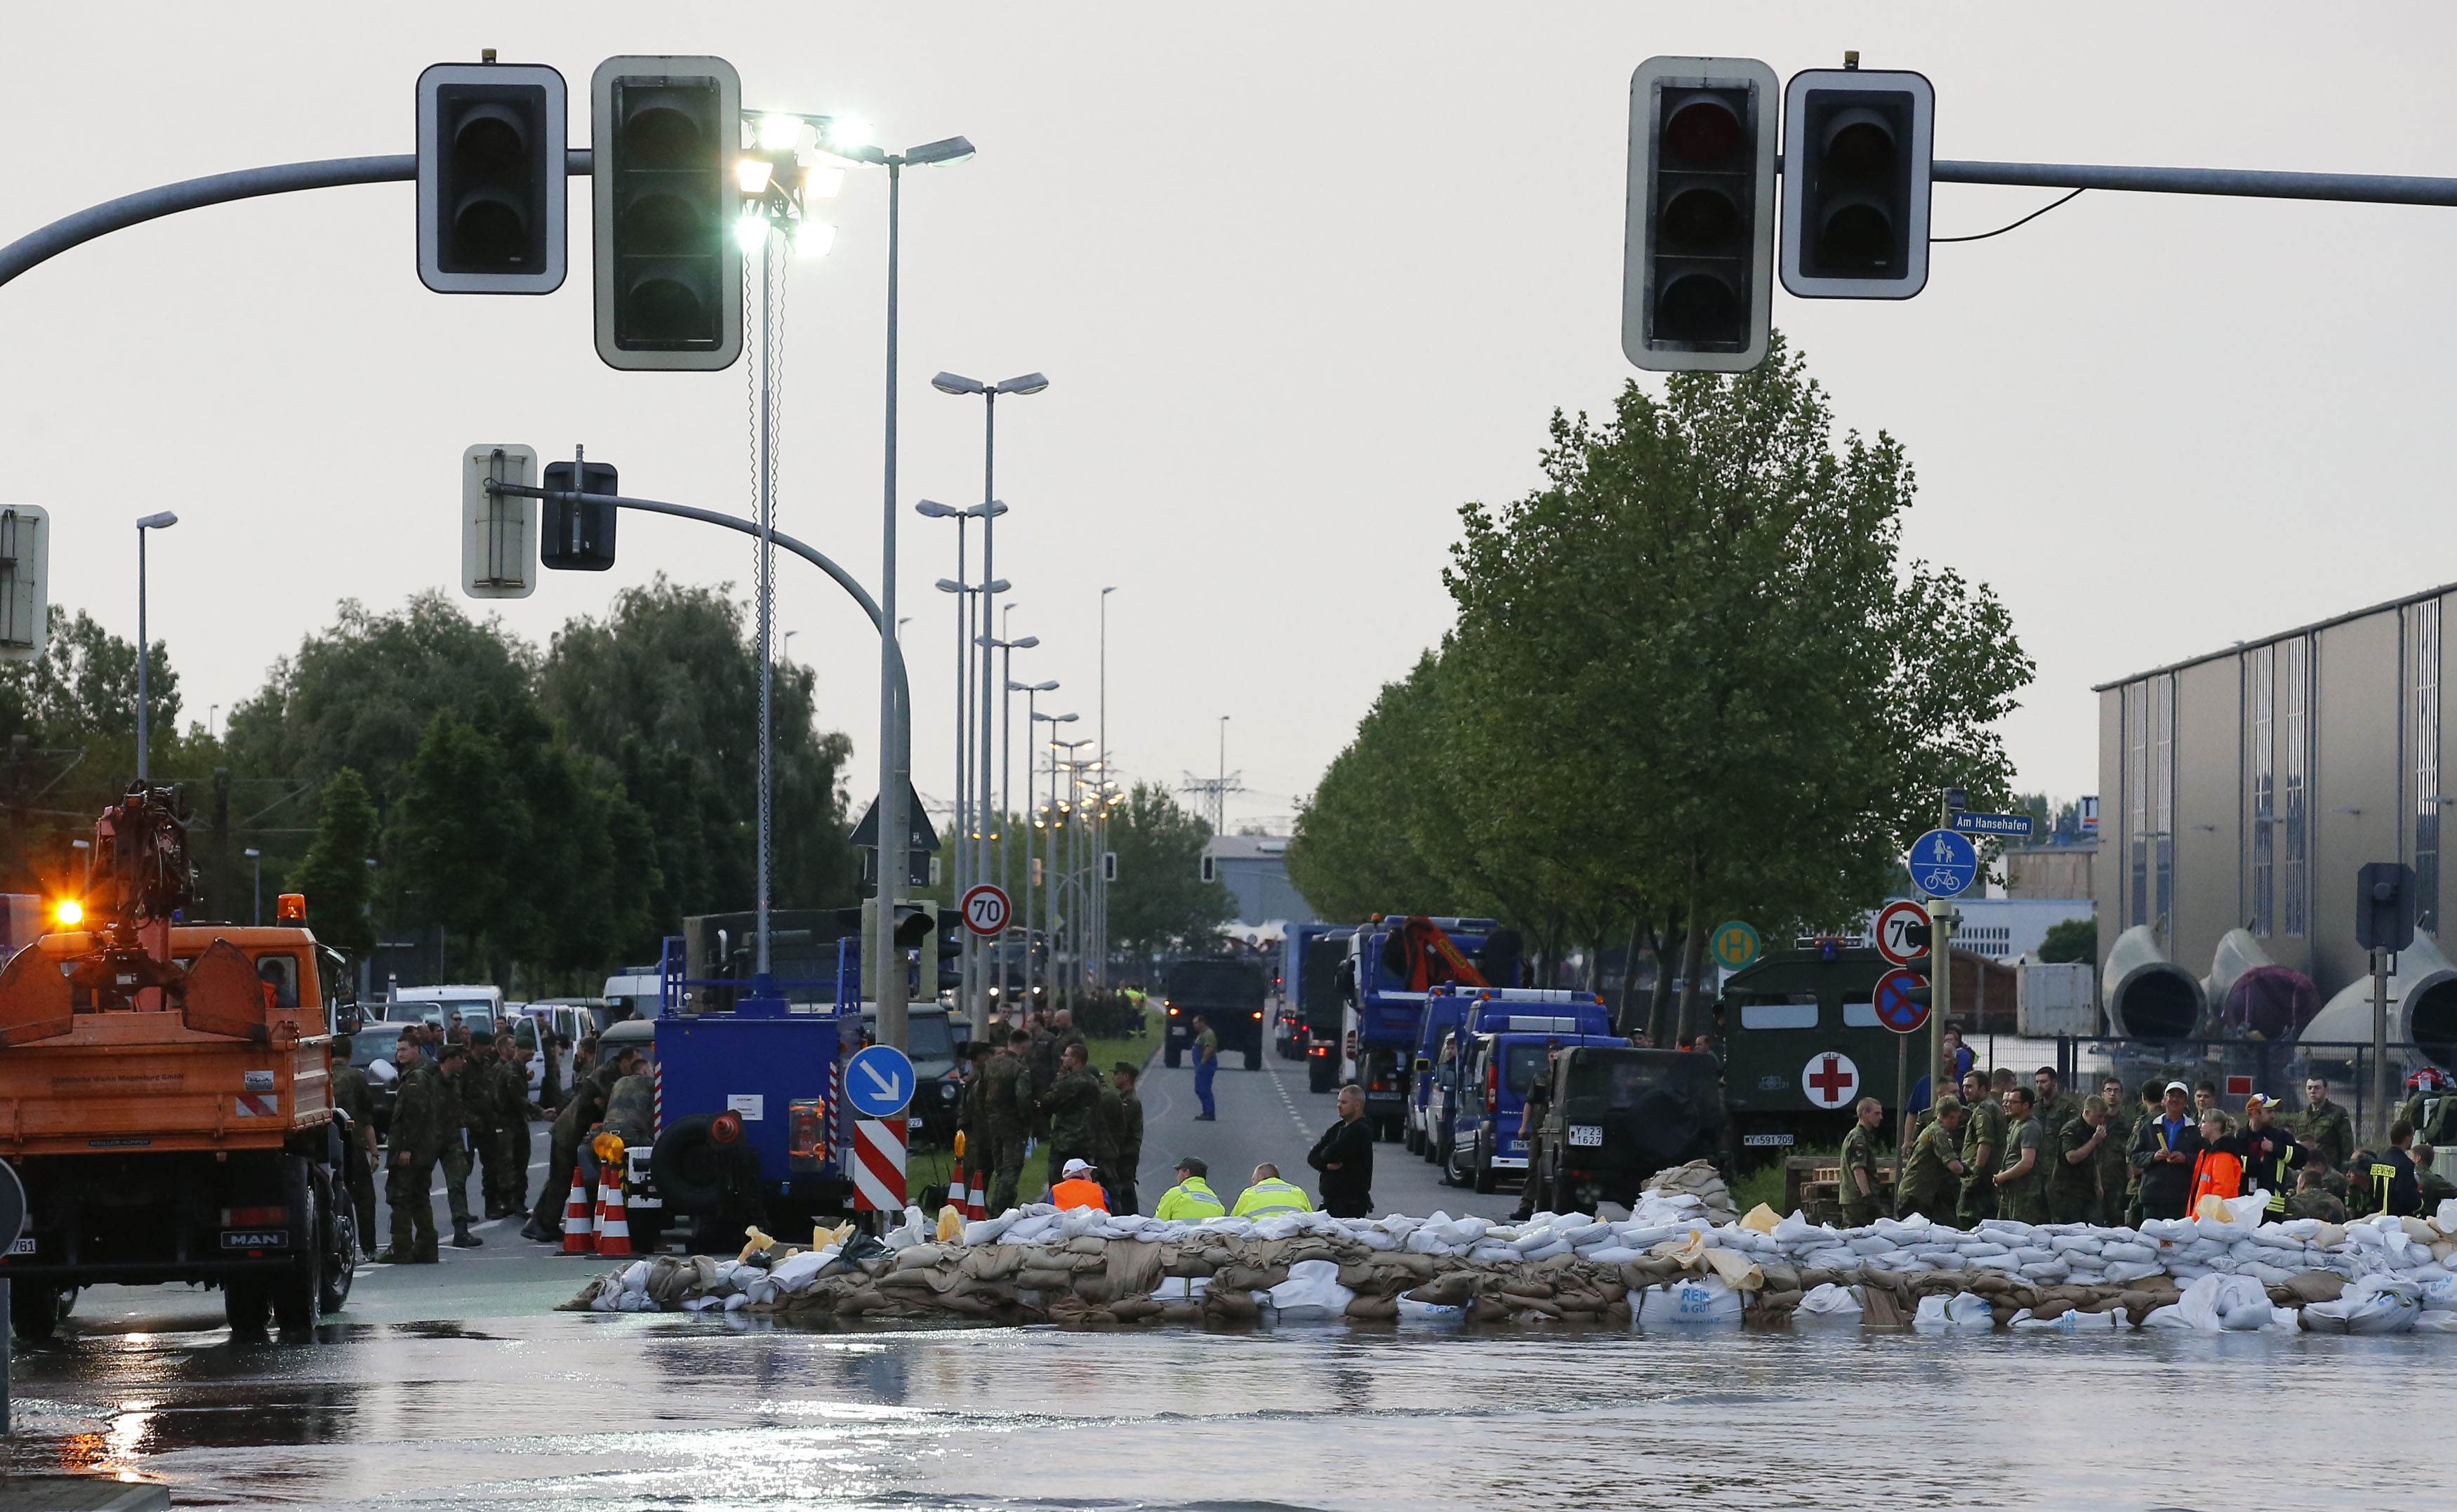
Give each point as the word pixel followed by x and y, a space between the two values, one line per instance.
pixel 878 1080
pixel 2011 826
pixel 1943 864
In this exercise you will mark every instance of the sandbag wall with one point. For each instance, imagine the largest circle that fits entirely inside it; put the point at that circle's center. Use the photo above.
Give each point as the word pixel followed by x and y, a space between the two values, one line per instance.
pixel 1670 1264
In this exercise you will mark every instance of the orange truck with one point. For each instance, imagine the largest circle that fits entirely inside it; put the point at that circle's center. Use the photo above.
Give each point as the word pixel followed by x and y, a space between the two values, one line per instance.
pixel 165 1094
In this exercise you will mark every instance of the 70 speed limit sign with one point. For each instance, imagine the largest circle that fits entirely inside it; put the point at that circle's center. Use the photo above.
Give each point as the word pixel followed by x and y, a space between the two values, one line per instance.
pixel 1895 923
pixel 986 909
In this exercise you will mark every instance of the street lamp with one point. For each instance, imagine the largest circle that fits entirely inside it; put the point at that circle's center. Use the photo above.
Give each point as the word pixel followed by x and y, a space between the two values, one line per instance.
pixel 847 139
pixel 958 384
pixel 1074 806
pixel 1049 850
pixel 1031 691
pixel 1101 876
pixel 257 858
pixel 933 509
pixel 152 522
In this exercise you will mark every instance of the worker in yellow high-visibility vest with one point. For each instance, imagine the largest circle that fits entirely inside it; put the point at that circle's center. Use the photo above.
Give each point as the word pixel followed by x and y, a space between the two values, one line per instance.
pixel 1268 1194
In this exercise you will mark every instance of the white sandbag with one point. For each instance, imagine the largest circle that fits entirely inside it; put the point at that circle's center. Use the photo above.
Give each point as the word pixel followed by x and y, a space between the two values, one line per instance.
pixel 1428 1240
pixel 1611 1255
pixel 737 1302
pixel 2436 1323
pixel 2050 1270
pixel 1963 1310
pixel 2446 1218
pixel 1411 1310
pixel 2440 1295
pixel 1868 1243
pixel 1311 1291
pixel 1699 1299
pixel 1376 1239
pixel 988 1231
pixel 1181 1289
pixel 1029 1228
pixel 1826 1299
pixel 2171 1316
pixel 1546 1252
pixel 1492 1251
pixel 797 1272
pixel 2118 1251
pixel 2072 1320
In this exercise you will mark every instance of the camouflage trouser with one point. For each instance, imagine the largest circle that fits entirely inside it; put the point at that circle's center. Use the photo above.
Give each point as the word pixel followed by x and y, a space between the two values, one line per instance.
pixel 2077 1206
pixel 508 1168
pixel 1978 1201
pixel 562 1160
pixel 1001 1156
pixel 2020 1203
pixel 413 1214
pixel 456 1180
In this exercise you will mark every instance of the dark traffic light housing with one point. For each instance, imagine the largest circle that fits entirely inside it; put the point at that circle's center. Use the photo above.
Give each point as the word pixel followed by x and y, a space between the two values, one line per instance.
pixel 2385 905
pixel 579 537
pixel 491 165
pixel 665 132
pixel 1922 939
pixel 1857 151
pixel 1698 262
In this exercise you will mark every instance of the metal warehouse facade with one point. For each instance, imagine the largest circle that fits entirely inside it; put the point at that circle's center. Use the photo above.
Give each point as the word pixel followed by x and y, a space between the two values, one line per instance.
pixel 2243 789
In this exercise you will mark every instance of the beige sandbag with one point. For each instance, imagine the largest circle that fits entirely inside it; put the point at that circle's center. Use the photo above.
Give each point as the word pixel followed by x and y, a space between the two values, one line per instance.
pixel 1376 1309
pixel 951 1224
pixel 2315 1286
pixel 1761 1218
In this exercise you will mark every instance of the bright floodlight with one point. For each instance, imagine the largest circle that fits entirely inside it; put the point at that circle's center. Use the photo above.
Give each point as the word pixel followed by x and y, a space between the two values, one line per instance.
pixel 159 521
pixel 958 384
pixel 849 130
pixel 751 230
pixel 69 912
pixel 1028 384
pixel 822 181
pixel 935 510
pixel 779 132
pixel 946 150
pixel 813 238
pixel 752 174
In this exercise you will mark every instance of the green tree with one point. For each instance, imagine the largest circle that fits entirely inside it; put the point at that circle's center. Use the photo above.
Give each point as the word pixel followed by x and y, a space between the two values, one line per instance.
pixel 334 876
pixel 1160 900
pixel 460 840
pixel 2070 940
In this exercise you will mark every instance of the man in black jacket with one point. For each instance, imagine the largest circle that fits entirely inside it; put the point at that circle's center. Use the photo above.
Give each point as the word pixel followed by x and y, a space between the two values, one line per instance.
pixel 1344 1154
pixel 2164 1147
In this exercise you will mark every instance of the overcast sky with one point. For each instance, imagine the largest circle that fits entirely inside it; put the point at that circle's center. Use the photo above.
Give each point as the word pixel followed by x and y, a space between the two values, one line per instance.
pixel 1303 276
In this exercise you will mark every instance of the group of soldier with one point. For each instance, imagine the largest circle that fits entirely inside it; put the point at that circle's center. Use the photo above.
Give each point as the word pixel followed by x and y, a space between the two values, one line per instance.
pixel 459 1101
pixel 1036 1082
pixel 2039 1154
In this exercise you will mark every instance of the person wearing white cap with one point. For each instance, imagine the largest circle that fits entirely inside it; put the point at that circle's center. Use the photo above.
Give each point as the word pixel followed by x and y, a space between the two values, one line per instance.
pixel 1076 1188
pixel 2163 1150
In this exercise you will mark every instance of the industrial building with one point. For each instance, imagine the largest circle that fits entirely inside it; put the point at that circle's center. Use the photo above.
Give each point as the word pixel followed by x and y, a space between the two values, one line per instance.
pixel 1254 868
pixel 2243 788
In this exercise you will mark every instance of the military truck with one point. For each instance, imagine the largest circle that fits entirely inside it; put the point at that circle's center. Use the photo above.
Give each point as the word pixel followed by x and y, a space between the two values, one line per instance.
pixel 1802 1045
pixel 1617 1116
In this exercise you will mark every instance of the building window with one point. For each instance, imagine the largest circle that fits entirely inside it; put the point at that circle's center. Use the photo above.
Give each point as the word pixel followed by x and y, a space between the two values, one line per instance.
pixel 2137 801
pixel 2262 667
pixel 2296 882
pixel 2162 792
pixel 2423 739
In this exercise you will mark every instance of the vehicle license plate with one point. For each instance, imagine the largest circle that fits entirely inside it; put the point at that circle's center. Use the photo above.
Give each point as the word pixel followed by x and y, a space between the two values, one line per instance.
pixel 1586 1133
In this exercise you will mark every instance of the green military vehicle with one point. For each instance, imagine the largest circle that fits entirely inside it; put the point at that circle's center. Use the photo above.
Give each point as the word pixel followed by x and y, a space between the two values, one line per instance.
pixel 1802 1045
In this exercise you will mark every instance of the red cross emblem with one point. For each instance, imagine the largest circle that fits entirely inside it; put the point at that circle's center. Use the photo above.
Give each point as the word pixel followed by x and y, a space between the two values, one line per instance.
pixel 1831 1079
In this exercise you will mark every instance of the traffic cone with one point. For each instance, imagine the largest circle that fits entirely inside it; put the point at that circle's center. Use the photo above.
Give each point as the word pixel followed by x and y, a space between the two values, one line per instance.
pixel 579 1228
pixel 976 1199
pixel 958 1195
pixel 613 1219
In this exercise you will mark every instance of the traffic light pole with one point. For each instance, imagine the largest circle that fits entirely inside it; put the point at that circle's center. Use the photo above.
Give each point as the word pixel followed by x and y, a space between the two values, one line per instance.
pixel 900 707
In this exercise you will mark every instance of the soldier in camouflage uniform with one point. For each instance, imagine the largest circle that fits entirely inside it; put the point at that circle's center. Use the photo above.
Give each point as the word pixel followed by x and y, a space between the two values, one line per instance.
pixel 1128 1139
pixel 1857 1189
pixel 509 1195
pixel 2052 1105
pixel 1983 1150
pixel 1005 1119
pixel 1074 1109
pixel 2073 1155
pixel 452 1066
pixel 1043 1061
pixel 1932 1174
pixel 2020 1175
pixel 2313 1198
pixel 580 1113
pixel 357 1176
pixel 481 1111
pixel 420 1123
pixel 2323 1126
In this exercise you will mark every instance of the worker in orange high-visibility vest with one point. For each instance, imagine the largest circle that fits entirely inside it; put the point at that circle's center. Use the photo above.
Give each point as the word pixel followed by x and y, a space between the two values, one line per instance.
pixel 1076 1188
pixel 2217 1171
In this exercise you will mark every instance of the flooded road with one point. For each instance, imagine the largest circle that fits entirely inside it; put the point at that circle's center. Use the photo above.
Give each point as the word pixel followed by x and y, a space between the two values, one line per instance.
pixel 572 1411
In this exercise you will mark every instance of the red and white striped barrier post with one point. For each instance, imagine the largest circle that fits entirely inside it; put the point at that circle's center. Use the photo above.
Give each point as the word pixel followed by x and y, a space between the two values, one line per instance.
pixel 879 1164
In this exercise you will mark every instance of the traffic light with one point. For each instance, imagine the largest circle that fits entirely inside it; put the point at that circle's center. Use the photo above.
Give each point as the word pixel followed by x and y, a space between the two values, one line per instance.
pixel 2385 905
pixel 1698 262
pixel 1856 152
pixel 579 537
pixel 951 951
pixel 498 531
pixel 1921 939
pixel 665 132
pixel 491 164
pixel 25 582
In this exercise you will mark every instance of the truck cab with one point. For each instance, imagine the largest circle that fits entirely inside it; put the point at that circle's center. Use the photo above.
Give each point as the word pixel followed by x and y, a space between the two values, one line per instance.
pixel 1619 1115
pixel 1227 992
pixel 1803 1043
pixel 1310 966
pixel 1384 1008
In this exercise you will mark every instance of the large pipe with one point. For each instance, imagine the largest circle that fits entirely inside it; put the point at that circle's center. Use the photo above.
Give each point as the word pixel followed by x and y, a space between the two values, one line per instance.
pixel 2422 1008
pixel 2251 995
pixel 2148 996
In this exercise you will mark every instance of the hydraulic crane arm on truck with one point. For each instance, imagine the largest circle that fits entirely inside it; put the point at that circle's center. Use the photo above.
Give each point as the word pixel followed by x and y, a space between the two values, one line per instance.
pixel 165 1092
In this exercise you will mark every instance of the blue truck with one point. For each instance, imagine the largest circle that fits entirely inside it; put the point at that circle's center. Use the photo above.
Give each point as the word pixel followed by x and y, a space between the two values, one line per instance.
pixel 1309 968
pixel 1392 963
pixel 1455 1016
pixel 1490 1078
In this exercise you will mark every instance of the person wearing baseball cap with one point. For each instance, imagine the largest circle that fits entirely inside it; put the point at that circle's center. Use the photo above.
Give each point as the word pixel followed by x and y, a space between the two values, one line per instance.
pixel 2163 1150
pixel 1193 1198
pixel 1076 1188
pixel 2269 1152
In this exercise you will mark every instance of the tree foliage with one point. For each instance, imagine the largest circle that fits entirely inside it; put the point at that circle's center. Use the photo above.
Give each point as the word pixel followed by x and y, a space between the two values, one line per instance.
pixel 334 876
pixel 1692 676
pixel 1159 901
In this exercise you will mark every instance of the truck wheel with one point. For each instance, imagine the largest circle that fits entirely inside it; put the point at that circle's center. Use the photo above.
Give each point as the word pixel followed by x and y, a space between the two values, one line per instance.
pixel 1318 1073
pixel 1484 1179
pixel 340 1255
pixel 1254 1059
pixel 1174 1053
pixel 245 1298
pixel 35 1310
pixel 298 1287
pixel 1412 1139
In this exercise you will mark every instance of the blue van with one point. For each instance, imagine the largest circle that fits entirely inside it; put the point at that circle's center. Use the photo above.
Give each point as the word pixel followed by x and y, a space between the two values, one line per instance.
pixel 1490 1075
pixel 1454 1015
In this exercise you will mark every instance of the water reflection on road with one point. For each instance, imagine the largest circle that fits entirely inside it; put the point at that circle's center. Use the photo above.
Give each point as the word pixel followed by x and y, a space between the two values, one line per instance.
pixel 570 1411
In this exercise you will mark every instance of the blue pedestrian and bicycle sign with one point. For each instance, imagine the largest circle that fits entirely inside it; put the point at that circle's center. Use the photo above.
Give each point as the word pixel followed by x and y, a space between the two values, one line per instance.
pixel 878 1080
pixel 1943 864
pixel 2004 826
pixel 1896 1009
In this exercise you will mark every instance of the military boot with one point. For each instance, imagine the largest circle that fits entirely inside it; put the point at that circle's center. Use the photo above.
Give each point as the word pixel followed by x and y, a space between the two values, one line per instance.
pixel 463 1238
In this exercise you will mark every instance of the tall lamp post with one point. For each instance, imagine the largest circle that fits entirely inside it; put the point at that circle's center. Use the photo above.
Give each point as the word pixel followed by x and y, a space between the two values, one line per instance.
pixel 894 762
pixel 959 383
pixel 1100 881
pixel 1074 865
pixel 255 859
pixel 1031 691
pixel 144 648
pixel 1049 823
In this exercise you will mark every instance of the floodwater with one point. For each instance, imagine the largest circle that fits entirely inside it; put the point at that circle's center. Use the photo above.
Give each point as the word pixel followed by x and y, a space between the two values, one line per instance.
pixel 586 1411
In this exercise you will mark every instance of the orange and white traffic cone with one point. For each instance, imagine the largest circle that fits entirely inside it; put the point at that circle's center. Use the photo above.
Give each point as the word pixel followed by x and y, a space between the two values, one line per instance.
pixel 976 1198
pixel 579 1226
pixel 959 1195
pixel 613 1218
